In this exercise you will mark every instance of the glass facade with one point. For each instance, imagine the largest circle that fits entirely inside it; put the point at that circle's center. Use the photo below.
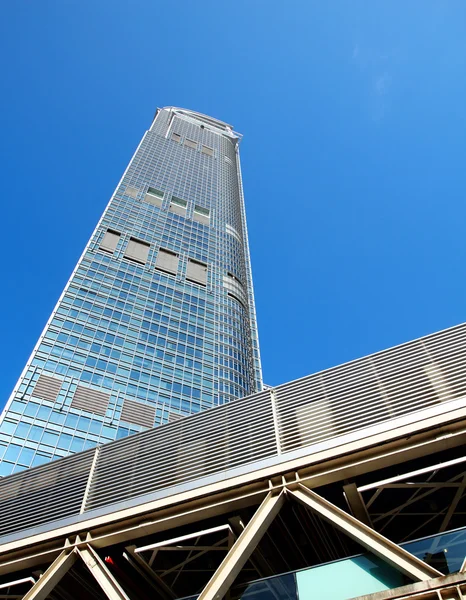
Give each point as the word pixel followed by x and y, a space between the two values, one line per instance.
pixel 157 320
pixel 358 575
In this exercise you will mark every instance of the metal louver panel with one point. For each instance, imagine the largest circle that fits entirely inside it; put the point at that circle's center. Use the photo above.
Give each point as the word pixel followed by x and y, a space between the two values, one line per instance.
pixel 215 440
pixel 425 374
pixel 177 209
pixel 138 413
pixel 137 250
pixel 110 241
pixel 45 493
pixel 190 143
pixel 172 416
pixel 196 271
pixel 371 390
pixel 167 261
pixel 207 150
pixel 47 388
pixel 91 400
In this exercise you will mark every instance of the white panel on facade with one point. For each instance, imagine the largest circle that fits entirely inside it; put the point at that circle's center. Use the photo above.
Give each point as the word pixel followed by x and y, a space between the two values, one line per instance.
pixel 207 150
pixel 201 218
pixel 137 251
pixel 235 288
pixel 47 388
pixel 178 206
pixel 201 215
pixel 91 400
pixel 167 261
pixel 190 143
pixel 110 241
pixel 196 271
pixel 154 197
pixel 131 191
pixel 176 137
pixel 232 231
pixel 138 413
pixel 178 210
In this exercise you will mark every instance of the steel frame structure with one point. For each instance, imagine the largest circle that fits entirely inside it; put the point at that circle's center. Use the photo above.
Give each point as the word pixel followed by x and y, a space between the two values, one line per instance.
pixel 83 541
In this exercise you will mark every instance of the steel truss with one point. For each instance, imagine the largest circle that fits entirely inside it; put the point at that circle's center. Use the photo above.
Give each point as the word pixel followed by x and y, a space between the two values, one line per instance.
pixel 84 541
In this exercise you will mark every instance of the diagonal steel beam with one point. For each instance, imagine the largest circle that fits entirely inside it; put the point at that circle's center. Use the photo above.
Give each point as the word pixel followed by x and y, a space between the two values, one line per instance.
pixel 365 535
pixel 356 503
pixel 242 549
pixel 102 575
pixel 43 586
pixel 454 504
pixel 137 562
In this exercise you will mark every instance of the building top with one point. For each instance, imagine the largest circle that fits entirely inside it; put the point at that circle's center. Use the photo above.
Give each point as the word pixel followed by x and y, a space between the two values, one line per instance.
pixel 203 120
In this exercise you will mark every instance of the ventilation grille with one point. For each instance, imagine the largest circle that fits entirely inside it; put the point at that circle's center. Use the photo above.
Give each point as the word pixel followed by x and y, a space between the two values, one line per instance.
pixel 427 374
pixel 199 445
pixel 90 400
pixel 45 493
pixel 138 413
pixel 47 388
pixel 374 389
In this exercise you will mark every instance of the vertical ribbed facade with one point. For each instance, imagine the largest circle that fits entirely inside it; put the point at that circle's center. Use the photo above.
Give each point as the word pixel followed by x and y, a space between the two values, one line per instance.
pixel 157 320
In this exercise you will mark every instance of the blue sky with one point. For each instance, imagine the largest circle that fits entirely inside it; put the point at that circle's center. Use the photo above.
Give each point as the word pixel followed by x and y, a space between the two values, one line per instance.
pixel 354 123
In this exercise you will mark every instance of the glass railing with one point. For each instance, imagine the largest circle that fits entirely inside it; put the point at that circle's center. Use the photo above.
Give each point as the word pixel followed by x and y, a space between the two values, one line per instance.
pixel 445 551
pixel 358 575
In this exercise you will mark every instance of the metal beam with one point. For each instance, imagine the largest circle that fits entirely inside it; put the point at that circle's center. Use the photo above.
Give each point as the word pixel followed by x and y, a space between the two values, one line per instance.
pixel 242 549
pixel 102 575
pixel 434 467
pixel 365 535
pixel 43 586
pixel 156 582
pixel 356 503
pixel 453 506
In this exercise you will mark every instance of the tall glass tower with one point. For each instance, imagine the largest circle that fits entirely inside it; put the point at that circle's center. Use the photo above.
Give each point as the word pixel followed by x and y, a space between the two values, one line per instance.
pixel 157 320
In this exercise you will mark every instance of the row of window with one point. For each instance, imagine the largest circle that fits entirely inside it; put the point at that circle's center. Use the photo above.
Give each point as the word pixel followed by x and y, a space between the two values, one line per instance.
pixel 166 261
pixel 177 205
pixel 176 137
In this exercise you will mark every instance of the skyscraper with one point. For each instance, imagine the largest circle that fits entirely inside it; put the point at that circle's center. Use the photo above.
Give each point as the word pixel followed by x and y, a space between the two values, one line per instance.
pixel 157 320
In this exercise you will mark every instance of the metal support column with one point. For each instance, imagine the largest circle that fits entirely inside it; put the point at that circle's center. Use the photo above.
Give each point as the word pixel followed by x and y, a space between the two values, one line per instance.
pixel 366 536
pixel 242 548
pixel 43 586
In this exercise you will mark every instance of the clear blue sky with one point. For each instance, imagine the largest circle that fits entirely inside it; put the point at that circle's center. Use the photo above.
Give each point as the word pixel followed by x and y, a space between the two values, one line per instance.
pixel 354 151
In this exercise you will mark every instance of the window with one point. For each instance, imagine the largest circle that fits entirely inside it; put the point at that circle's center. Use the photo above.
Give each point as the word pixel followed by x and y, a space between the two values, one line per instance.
pixel 201 215
pixel 110 241
pixel 207 150
pixel 154 197
pixel 137 250
pixel 167 261
pixel 190 143
pixel 178 206
pixel 196 271
pixel 131 191
pixel 176 137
